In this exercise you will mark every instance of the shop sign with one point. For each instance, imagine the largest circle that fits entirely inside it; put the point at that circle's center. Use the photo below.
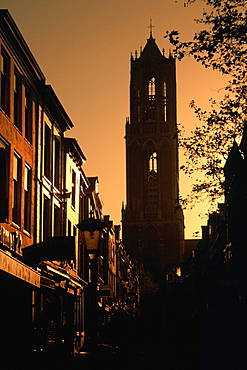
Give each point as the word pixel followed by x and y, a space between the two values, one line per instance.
pixel 105 291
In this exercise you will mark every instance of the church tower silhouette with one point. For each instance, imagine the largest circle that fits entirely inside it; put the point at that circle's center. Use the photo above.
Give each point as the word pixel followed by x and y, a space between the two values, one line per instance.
pixel 152 220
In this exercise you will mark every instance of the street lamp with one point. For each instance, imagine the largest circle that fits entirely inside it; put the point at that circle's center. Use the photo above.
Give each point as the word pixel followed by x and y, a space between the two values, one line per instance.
pixel 91 232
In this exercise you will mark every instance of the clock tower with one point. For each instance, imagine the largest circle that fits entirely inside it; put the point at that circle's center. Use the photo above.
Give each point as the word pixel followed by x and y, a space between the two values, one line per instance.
pixel 152 219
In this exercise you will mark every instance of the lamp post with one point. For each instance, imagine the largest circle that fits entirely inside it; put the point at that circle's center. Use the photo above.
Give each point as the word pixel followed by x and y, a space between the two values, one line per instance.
pixel 91 231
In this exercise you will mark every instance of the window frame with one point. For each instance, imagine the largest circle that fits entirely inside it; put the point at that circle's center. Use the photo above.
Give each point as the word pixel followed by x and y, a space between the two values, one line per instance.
pixel 27 197
pixel 5 82
pixel 17 187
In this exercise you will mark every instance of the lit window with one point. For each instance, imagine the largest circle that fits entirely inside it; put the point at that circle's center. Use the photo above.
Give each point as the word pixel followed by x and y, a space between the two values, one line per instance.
pixel 153 162
pixel 151 87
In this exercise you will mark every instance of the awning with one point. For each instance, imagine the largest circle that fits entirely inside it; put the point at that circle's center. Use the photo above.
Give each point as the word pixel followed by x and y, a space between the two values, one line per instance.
pixel 18 269
pixel 76 281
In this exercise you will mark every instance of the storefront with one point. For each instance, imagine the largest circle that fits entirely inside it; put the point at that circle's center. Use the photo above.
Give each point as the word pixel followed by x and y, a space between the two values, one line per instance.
pixel 18 283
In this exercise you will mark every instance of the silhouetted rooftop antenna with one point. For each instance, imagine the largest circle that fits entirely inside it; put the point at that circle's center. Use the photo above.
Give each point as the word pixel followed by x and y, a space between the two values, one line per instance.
pixel 151 27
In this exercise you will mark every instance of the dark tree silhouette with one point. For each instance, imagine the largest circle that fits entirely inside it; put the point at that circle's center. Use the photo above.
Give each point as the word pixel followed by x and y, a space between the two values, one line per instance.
pixel 221 45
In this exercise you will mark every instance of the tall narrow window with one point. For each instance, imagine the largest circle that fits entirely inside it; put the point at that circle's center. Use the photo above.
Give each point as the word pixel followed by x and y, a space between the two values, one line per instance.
pixel 56 230
pixel 56 162
pixel 16 208
pixel 150 106
pixel 69 228
pixel 47 152
pixel 5 81
pixel 138 113
pixel 73 191
pixel 27 198
pixel 4 181
pixel 17 100
pixel 28 115
pixel 46 218
pixel 164 103
pixel 153 162
pixel 151 87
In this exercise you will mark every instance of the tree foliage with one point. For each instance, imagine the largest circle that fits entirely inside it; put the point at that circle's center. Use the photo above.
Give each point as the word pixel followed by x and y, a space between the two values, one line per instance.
pixel 221 44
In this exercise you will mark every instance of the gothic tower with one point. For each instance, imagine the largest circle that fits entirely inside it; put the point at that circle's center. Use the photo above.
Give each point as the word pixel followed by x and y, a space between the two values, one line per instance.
pixel 152 220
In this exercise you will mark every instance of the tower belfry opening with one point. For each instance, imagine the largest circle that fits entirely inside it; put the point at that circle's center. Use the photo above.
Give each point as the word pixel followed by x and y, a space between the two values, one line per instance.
pixel 152 220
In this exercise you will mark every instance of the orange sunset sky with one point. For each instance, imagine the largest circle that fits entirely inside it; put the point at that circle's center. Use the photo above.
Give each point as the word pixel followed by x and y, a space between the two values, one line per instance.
pixel 83 48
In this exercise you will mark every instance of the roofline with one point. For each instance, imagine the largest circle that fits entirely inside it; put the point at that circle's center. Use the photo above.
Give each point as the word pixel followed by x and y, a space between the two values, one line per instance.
pixel 16 43
pixel 59 112
pixel 76 147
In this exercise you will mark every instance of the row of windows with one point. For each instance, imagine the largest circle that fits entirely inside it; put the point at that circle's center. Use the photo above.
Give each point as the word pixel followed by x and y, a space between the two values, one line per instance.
pixel 17 192
pixel 22 97
pixel 152 88
pixel 150 102
pixel 56 221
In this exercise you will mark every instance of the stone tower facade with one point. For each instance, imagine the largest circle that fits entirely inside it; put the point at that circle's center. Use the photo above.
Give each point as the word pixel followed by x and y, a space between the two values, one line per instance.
pixel 152 220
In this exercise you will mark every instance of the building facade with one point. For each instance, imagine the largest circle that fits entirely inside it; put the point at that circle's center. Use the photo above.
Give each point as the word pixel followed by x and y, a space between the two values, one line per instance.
pixel 153 223
pixel 48 280
pixel 20 76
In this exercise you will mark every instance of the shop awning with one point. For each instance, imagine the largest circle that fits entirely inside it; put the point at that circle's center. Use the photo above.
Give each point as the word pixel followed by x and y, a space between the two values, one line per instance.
pixel 18 269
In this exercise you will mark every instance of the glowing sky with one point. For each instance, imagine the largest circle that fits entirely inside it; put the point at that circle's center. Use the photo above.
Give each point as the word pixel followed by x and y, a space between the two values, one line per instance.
pixel 83 48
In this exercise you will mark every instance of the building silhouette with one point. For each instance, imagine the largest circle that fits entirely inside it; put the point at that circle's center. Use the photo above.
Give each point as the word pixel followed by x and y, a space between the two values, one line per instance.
pixel 153 222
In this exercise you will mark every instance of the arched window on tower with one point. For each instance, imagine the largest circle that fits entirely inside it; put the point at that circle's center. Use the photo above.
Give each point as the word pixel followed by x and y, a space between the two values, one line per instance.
pixel 164 101
pixel 151 101
pixel 153 162
pixel 151 184
pixel 151 88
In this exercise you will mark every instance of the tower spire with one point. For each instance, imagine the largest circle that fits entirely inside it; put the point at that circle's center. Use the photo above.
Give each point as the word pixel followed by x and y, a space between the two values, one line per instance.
pixel 151 27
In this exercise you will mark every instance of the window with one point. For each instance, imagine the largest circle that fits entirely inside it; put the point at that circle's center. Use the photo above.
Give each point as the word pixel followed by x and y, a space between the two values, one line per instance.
pixel 17 100
pixel 82 199
pixel 153 162
pixel 151 87
pixel 164 102
pixel 69 228
pixel 27 197
pixel 73 191
pixel 16 207
pixel 47 152
pixel 4 181
pixel 5 81
pixel 56 162
pixel 28 115
pixel 151 183
pixel 56 221
pixel 138 113
pixel 150 103
pixel 46 218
